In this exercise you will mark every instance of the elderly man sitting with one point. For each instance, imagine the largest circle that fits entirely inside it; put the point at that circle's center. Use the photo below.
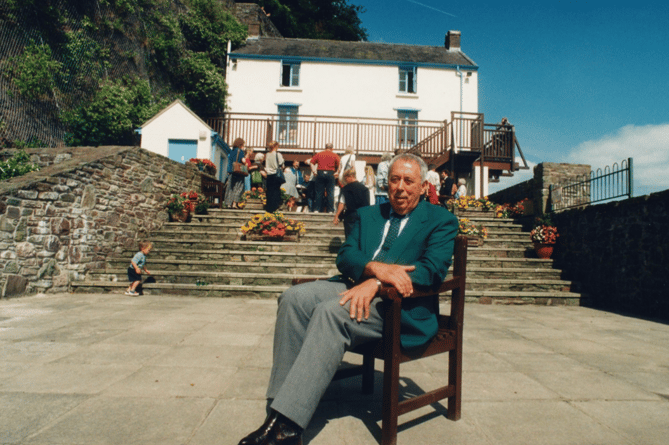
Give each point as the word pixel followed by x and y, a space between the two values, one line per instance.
pixel 405 243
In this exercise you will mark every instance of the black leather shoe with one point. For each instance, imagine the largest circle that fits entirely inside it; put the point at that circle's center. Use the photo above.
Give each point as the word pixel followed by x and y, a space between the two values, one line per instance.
pixel 277 430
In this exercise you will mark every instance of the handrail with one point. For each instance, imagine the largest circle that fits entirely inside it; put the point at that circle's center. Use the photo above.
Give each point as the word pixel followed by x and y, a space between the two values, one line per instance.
pixel 435 141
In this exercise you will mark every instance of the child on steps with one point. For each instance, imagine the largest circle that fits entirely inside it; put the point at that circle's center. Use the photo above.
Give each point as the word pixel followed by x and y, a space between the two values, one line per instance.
pixel 137 264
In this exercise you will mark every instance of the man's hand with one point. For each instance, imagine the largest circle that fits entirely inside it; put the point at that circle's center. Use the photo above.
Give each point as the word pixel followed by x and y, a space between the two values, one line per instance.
pixel 335 220
pixel 361 297
pixel 138 270
pixel 392 274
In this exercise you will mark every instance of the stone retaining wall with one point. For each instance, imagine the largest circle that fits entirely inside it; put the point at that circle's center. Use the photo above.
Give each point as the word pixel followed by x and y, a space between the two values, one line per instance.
pixel 85 205
pixel 537 189
pixel 620 253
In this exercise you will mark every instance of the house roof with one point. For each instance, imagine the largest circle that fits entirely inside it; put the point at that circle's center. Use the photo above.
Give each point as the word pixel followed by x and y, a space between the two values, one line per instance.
pixel 353 52
pixel 170 106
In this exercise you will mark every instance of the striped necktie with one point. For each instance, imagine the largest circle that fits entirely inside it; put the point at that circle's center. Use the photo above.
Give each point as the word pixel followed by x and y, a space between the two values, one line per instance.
pixel 393 232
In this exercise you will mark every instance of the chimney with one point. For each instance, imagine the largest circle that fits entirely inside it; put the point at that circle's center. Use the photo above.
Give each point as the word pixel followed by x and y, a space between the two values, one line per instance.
pixel 452 41
pixel 253 30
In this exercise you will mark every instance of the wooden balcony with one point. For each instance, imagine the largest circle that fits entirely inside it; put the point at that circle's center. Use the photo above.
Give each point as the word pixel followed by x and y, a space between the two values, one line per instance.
pixel 465 137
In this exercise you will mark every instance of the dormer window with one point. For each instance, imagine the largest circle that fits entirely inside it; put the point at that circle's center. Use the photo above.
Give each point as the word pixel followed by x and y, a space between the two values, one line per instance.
pixel 407 79
pixel 290 73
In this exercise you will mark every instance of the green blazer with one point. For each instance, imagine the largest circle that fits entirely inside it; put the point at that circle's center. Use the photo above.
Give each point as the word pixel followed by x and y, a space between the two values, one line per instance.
pixel 425 242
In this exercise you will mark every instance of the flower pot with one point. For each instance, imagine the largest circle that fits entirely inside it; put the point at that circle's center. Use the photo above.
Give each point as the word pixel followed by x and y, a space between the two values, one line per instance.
pixel 180 216
pixel 544 251
pixel 257 237
pixel 474 241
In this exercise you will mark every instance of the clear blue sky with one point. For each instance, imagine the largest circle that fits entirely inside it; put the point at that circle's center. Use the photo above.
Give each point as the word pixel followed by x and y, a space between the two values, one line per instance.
pixel 582 81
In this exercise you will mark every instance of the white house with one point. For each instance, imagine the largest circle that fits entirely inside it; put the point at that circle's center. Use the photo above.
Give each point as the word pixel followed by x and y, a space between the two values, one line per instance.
pixel 179 134
pixel 374 97
pixel 361 79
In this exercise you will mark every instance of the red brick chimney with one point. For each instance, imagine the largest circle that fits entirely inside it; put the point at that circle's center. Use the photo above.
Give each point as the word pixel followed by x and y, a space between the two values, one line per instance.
pixel 452 41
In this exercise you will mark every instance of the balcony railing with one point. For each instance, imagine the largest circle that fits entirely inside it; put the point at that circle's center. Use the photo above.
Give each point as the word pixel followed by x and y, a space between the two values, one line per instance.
pixel 433 140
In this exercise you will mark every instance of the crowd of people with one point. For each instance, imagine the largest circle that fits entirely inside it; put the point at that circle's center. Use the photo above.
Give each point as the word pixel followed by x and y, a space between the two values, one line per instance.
pixel 327 183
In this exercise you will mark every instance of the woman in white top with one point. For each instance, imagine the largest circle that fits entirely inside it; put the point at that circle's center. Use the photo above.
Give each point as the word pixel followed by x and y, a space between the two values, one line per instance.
pixel 462 188
pixel 273 162
pixel 370 183
pixel 347 162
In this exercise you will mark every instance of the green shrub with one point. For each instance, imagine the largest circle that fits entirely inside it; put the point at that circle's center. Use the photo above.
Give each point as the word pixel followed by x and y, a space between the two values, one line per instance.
pixel 112 115
pixel 17 165
pixel 34 71
pixel 204 84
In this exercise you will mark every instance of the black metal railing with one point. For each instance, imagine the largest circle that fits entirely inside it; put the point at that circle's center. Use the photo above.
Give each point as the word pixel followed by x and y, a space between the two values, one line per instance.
pixel 602 185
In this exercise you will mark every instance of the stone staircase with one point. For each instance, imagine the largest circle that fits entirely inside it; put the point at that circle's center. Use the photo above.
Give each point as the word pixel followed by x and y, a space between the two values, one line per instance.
pixel 506 269
pixel 206 257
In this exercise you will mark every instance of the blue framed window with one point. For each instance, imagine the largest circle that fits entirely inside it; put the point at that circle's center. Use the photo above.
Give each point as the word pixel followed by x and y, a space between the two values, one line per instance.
pixel 287 125
pixel 406 128
pixel 407 79
pixel 290 73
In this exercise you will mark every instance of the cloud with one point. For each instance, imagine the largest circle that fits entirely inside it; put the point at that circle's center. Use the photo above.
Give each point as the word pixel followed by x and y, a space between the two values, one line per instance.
pixel 647 145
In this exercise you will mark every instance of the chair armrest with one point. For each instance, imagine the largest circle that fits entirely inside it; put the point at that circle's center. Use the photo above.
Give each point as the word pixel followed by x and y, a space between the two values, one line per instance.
pixel 389 292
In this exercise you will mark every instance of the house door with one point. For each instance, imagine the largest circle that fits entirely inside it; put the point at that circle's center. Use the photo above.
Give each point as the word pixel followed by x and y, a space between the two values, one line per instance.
pixel 181 150
pixel 406 128
pixel 287 126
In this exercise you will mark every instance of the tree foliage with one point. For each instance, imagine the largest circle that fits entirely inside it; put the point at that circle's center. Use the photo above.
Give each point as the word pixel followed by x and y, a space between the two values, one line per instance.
pixel 316 19
pixel 186 41
pixel 112 115
pixel 33 71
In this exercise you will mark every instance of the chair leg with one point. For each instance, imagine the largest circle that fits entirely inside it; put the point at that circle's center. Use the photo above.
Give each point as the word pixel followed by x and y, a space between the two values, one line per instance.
pixel 455 380
pixel 368 374
pixel 391 395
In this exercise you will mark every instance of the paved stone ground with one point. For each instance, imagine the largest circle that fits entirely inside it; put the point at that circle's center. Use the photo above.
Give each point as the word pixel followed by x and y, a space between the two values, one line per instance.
pixel 110 369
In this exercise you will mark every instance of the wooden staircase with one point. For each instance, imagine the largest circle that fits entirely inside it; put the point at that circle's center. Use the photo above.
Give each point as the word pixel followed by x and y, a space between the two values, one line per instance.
pixel 206 257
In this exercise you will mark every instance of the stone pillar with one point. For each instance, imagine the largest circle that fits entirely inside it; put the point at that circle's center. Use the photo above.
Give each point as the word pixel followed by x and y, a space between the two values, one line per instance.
pixel 549 173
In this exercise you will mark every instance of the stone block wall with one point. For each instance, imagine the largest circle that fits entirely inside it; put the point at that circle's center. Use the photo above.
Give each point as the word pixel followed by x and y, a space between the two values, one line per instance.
pixel 619 251
pixel 537 189
pixel 85 205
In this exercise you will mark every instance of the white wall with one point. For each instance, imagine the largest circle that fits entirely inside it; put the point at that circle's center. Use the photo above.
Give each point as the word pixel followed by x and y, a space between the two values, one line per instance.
pixel 176 123
pixel 355 90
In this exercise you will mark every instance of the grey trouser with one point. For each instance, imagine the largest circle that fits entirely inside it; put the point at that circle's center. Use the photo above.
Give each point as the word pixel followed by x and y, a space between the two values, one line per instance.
pixel 312 333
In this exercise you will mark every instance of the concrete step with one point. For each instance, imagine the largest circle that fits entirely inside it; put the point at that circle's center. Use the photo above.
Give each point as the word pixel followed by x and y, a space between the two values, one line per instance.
pixel 210 290
pixel 501 252
pixel 524 297
pixel 208 245
pixel 324 267
pixel 271 253
pixel 518 285
pixel 208 277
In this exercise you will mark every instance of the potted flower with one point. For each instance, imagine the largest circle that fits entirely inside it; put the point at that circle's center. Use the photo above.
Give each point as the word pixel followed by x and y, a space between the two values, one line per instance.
pixel 178 208
pixel 204 165
pixel 544 235
pixel 510 211
pixel 254 196
pixel 475 234
pixel 471 203
pixel 484 204
pixel 271 226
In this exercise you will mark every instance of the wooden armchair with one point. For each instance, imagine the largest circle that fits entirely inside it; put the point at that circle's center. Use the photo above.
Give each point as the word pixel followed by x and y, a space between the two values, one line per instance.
pixel 388 349
pixel 213 190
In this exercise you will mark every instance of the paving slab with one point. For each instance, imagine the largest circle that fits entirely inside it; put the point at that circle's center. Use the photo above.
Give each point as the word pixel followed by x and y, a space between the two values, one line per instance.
pixel 88 369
